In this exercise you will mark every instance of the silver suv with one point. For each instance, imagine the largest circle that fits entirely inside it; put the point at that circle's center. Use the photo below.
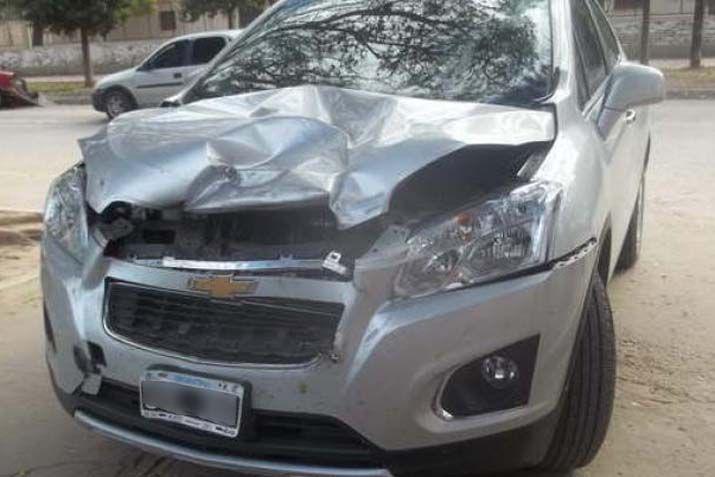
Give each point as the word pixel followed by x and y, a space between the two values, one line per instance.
pixel 164 73
pixel 372 239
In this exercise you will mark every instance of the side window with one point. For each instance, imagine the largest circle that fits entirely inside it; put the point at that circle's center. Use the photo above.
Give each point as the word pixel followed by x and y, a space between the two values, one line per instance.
pixel 581 81
pixel 172 56
pixel 205 49
pixel 589 44
pixel 610 43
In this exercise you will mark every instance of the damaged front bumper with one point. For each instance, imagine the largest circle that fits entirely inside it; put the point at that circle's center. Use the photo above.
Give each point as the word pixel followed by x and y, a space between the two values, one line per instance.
pixel 379 387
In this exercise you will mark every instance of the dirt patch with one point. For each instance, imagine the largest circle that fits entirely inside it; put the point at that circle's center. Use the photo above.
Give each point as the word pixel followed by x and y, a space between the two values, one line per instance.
pixel 10 218
pixel 11 238
pixel 656 373
pixel 20 233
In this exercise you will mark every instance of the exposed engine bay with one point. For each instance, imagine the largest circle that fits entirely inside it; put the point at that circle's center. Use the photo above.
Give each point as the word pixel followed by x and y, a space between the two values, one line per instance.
pixel 304 238
pixel 152 236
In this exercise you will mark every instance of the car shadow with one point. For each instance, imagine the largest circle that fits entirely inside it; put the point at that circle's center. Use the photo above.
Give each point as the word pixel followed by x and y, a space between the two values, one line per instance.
pixel 535 473
pixel 174 468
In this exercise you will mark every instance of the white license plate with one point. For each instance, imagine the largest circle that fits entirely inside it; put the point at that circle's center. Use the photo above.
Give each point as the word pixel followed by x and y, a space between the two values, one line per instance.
pixel 210 405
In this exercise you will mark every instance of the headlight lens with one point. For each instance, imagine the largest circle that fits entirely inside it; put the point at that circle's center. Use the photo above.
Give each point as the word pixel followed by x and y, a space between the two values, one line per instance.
pixel 65 212
pixel 507 233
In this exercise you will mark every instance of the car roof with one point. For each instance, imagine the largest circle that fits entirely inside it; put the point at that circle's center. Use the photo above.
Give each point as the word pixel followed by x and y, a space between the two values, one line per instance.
pixel 193 36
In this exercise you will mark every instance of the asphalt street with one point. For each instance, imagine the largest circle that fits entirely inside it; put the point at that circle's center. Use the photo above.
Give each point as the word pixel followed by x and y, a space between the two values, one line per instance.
pixel 664 419
pixel 36 144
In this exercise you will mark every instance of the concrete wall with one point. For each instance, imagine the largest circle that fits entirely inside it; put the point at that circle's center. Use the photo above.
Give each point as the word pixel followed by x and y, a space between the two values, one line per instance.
pixel 17 34
pixel 67 59
pixel 670 35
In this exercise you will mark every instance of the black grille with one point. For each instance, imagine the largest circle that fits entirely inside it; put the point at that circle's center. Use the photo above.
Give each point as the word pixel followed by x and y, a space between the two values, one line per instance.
pixel 294 438
pixel 243 330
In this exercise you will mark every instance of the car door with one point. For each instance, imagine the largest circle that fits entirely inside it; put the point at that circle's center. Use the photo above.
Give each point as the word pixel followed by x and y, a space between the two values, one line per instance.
pixel 631 127
pixel 163 74
pixel 205 49
pixel 596 60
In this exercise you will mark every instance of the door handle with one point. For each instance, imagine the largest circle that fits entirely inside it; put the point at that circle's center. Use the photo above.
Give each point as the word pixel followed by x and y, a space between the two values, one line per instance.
pixel 178 75
pixel 631 116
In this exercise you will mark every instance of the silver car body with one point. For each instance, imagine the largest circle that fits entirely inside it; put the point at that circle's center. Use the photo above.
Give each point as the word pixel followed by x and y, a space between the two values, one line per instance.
pixel 150 86
pixel 391 357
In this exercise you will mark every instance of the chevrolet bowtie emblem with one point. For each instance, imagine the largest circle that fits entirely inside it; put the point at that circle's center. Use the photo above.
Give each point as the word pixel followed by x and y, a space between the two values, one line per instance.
pixel 223 286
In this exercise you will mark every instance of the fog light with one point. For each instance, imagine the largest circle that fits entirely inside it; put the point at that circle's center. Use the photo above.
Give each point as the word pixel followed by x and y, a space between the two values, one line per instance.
pixel 500 372
pixel 496 382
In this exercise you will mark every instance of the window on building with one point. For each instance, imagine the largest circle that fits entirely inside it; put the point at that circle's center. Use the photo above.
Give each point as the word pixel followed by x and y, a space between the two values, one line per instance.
pixel 626 4
pixel 589 44
pixel 167 20
pixel 205 49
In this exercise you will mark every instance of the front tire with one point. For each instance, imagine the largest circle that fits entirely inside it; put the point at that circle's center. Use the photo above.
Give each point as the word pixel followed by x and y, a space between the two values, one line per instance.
pixel 634 237
pixel 588 401
pixel 118 102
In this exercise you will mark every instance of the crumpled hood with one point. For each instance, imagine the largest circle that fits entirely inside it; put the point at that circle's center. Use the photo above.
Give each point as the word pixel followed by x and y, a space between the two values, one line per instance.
pixel 292 146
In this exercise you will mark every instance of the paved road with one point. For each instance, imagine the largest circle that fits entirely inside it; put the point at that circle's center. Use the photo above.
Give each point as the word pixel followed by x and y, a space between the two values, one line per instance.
pixel 664 422
pixel 36 144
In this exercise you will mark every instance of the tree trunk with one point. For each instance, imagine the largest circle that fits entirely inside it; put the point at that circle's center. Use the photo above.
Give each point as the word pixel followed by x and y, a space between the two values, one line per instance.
pixel 696 49
pixel 231 14
pixel 38 34
pixel 86 59
pixel 645 33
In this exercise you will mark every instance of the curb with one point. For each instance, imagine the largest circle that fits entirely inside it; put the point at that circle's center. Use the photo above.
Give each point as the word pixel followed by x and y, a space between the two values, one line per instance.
pixel 9 210
pixel 70 100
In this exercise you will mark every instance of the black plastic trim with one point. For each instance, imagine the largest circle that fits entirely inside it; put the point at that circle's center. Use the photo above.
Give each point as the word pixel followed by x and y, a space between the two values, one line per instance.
pixel 512 450
pixel 160 85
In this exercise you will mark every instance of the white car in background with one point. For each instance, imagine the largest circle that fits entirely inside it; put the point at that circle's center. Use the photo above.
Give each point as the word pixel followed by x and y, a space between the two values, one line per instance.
pixel 164 73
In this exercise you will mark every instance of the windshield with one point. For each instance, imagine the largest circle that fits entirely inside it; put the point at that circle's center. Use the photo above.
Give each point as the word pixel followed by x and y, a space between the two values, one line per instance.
pixel 496 51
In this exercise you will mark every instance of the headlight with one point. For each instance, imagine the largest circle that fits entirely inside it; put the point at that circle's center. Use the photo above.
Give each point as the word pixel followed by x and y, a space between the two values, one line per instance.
pixel 505 234
pixel 65 212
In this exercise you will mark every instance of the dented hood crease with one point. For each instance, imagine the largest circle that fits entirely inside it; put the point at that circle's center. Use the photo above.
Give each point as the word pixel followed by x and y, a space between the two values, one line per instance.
pixel 282 148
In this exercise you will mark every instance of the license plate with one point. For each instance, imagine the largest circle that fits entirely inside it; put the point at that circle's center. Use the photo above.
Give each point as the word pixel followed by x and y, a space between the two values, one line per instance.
pixel 210 405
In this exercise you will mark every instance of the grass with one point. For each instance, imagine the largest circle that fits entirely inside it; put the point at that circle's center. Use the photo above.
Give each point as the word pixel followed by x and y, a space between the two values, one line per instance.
pixel 58 87
pixel 688 79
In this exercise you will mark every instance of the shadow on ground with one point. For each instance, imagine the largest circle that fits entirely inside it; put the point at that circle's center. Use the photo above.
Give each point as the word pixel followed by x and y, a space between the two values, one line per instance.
pixel 147 465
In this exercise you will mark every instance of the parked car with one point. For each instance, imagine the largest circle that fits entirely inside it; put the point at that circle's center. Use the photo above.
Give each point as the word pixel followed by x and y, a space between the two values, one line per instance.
pixel 372 239
pixel 164 73
pixel 14 91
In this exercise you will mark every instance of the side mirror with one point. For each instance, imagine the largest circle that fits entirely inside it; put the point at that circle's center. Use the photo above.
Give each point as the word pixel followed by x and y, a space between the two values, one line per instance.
pixel 634 85
pixel 171 102
pixel 146 66
pixel 631 85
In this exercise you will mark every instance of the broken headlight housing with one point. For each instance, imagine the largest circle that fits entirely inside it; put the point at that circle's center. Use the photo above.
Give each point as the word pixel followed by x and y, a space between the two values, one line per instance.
pixel 504 234
pixel 65 212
